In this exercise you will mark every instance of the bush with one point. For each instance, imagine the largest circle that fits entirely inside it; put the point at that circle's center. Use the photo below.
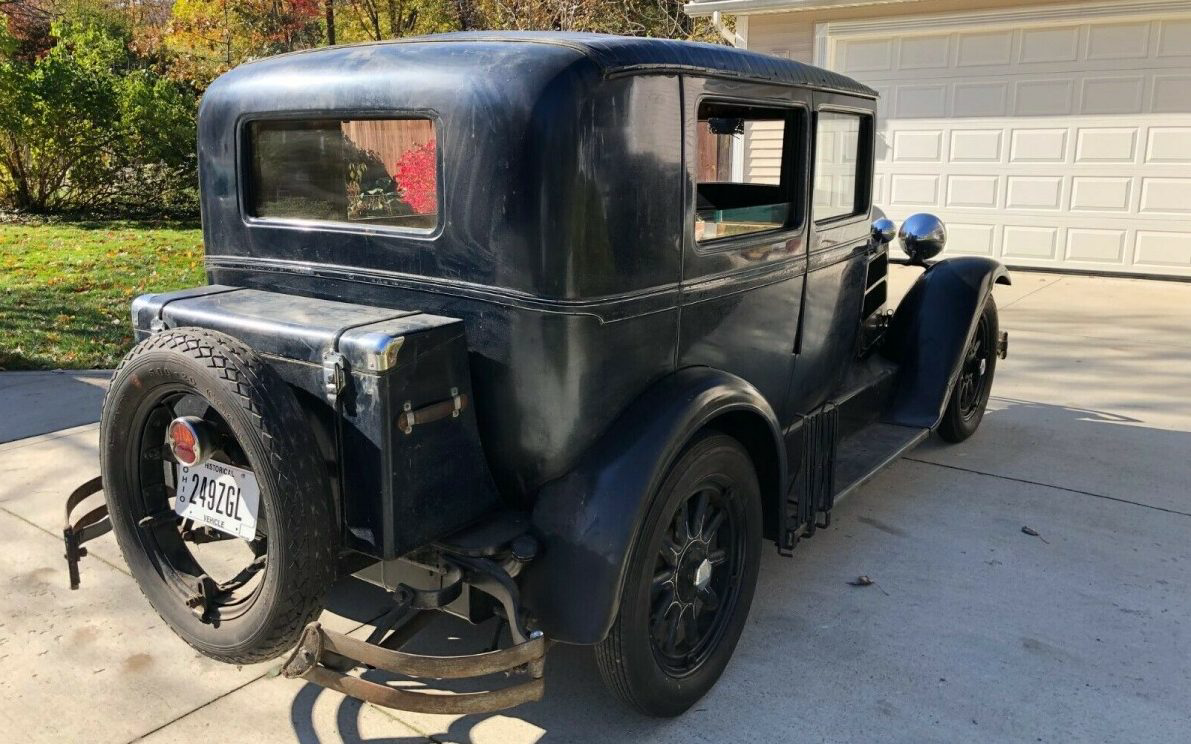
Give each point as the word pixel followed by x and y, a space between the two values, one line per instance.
pixel 87 128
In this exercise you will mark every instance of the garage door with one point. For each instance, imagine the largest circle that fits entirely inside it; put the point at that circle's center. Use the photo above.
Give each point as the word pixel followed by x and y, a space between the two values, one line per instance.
pixel 1061 146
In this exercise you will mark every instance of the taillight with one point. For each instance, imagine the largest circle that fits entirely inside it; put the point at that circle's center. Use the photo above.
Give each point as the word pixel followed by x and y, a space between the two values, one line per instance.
pixel 188 440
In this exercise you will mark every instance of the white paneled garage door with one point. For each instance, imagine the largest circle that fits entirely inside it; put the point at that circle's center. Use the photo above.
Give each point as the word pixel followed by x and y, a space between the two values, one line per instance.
pixel 1061 144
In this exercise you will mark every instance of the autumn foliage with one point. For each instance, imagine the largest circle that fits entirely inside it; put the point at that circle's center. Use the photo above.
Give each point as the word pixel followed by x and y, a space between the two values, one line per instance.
pixel 416 177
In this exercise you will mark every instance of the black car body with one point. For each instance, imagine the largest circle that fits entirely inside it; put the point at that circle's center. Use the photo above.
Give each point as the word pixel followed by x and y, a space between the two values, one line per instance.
pixel 574 303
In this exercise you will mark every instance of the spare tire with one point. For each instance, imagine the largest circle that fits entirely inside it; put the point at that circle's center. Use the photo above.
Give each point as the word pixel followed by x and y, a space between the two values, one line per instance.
pixel 186 570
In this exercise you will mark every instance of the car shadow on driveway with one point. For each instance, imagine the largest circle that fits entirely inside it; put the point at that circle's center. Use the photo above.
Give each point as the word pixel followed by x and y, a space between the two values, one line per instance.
pixel 973 630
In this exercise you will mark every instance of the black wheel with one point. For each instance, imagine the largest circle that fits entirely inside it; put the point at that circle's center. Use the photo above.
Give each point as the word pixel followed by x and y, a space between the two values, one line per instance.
pixel 235 599
pixel 692 571
pixel 969 394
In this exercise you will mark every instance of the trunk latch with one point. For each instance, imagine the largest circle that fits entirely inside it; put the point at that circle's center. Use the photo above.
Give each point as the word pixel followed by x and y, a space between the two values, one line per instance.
pixel 334 375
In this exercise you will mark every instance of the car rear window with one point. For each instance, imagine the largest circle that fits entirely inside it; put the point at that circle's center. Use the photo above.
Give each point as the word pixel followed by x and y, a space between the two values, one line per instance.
pixel 371 171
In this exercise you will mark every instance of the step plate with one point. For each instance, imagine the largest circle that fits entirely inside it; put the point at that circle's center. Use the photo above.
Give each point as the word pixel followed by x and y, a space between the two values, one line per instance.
pixel 866 453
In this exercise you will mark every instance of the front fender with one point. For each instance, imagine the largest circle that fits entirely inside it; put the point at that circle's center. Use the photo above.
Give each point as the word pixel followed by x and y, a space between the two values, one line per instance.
pixel 587 520
pixel 929 332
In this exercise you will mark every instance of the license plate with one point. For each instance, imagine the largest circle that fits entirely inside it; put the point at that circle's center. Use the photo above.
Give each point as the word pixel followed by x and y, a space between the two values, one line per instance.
pixel 220 496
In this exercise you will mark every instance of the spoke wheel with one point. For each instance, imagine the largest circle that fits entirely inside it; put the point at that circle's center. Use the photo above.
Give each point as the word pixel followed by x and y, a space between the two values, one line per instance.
pixel 691 575
pixel 696 579
pixel 973 385
pixel 185 553
pixel 974 380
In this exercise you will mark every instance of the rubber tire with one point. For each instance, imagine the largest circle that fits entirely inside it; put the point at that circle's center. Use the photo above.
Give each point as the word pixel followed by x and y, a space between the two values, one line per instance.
pixel 268 423
pixel 953 428
pixel 625 657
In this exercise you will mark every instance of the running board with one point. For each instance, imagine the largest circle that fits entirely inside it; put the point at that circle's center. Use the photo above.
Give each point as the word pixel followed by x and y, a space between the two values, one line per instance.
pixel 867 452
pixel 832 468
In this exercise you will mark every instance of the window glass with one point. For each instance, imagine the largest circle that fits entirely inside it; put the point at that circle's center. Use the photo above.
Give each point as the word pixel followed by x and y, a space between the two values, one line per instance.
pixel 373 171
pixel 741 184
pixel 837 156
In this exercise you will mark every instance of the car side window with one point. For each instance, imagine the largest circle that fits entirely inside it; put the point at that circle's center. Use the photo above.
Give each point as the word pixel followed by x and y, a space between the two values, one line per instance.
pixel 743 180
pixel 838 157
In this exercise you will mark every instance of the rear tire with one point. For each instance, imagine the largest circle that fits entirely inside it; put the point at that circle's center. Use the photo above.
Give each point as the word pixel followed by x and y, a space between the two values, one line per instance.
pixel 703 583
pixel 969 395
pixel 264 425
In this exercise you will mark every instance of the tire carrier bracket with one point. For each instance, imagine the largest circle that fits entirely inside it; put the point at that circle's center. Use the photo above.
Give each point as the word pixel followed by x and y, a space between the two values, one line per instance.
pixel 86 528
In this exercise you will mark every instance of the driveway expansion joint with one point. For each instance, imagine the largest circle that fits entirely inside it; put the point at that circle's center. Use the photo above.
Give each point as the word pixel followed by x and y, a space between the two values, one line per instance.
pixel 1027 481
pixel 269 673
pixel 58 538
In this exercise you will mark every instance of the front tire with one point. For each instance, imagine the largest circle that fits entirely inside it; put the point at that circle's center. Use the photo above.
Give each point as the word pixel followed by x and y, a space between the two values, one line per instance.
pixel 260 611
pixel 969 395
pixel 692 572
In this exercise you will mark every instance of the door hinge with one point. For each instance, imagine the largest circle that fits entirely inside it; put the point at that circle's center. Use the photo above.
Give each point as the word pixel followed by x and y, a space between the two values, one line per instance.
pixel 334 376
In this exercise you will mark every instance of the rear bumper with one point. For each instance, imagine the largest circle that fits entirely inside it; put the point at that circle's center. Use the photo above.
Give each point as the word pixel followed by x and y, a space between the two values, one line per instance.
pixel 323 657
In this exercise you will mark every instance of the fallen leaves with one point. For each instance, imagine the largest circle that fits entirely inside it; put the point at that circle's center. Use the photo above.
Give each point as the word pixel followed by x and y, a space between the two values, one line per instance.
pixel 863 580
pixel 65 288
pixel 1026 529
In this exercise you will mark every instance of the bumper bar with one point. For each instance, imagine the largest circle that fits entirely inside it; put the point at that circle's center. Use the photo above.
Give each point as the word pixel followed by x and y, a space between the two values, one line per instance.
pixel 321 653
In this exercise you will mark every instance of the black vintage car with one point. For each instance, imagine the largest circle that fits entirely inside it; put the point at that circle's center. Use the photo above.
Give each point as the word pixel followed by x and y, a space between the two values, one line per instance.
pixel 552 328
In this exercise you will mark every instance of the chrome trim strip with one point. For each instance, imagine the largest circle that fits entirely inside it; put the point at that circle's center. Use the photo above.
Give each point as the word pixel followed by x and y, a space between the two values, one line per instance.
pixel 608 308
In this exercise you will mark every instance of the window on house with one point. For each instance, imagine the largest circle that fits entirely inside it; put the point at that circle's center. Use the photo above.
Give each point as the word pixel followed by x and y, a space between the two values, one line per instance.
pixel 838 155
pixel 370 171
pixel 744 183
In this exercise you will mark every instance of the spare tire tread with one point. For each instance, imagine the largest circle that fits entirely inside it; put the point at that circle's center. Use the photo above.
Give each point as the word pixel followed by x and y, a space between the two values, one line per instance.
pixel 309 534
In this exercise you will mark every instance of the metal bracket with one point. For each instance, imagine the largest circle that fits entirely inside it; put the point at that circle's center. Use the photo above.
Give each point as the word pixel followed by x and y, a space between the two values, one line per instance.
pixel 494 581
pixel 813 489
pixel 207 592
pixel 86 528
pixel 334 376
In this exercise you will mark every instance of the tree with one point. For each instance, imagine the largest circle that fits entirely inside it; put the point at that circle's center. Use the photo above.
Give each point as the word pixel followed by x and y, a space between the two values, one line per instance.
pixel 27 27
pixel 98 97
pixel 376 20
pixel 662 18
pixel 209 37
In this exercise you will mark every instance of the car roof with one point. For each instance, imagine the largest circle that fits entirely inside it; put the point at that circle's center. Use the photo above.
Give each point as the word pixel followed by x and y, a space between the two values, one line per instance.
pixel 620 55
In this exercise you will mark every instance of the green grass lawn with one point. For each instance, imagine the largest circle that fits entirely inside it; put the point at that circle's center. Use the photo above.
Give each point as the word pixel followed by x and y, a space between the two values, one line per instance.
pixel 65 288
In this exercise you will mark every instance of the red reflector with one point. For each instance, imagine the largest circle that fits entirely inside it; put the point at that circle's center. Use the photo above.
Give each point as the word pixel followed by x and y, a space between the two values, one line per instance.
pixel 184 442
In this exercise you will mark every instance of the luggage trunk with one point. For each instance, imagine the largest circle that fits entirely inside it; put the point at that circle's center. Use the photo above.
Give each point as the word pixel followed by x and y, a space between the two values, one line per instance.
pixel 391 388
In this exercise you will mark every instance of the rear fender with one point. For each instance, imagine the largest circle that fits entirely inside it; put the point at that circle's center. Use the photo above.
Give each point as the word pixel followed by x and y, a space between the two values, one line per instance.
pixel 588 519
pixel 929 332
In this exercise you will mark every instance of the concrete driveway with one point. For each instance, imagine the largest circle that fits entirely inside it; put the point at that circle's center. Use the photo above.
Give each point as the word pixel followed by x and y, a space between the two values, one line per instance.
pixel 973 631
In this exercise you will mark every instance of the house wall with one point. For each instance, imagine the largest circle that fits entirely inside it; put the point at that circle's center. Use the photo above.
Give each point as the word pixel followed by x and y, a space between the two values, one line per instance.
pixel 792 34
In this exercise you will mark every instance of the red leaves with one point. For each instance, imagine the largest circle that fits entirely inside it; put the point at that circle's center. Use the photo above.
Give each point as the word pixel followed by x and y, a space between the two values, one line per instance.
pixel 416 173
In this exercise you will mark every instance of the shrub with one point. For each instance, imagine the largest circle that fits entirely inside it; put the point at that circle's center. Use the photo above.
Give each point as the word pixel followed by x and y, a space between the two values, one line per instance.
pixel 85 128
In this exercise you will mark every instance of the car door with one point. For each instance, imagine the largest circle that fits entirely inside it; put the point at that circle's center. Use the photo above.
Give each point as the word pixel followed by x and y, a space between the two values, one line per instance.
pixel 744 260
pixel 838 248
